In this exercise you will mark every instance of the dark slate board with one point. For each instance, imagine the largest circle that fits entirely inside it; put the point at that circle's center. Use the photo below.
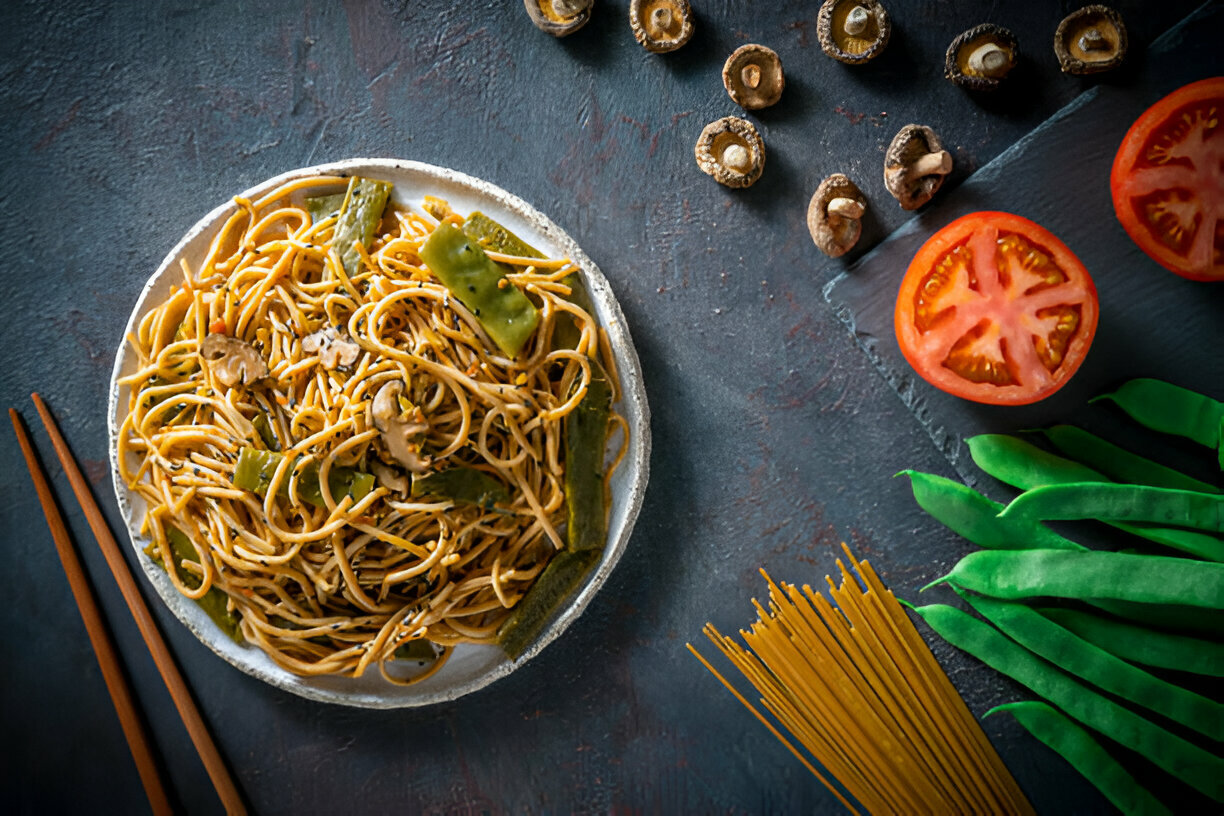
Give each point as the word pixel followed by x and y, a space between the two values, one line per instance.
pixel 1152 324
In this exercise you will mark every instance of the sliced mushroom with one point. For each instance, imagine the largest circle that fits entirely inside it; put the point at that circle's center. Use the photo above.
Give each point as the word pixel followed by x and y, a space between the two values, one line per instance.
pixel 1090 40
pixel 853 31
pixel 391 479
pixel 661 25
pixel 232 361
pixel 731 150
pixel 834 215
pixel 334 348
pixel 753 76
pixel 980 58
pixel 400 433
pixel 915 166
pixel 559 17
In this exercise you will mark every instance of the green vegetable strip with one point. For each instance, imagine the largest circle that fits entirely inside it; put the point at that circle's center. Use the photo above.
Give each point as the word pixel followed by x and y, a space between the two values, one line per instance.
pixel 1190 619
pixel 1171 409
pixel 1085 755
pixel 263 427
pixel 559 579
pixel 496 238
pixel 975 517
pixel 321 207
pixel 462 485
pixel 586 438
pixel 1141 644
pixel 1120 502
pixel 1023 465
pixel 1194 766
pixel 255 468
pixel 360 215
pixel 1153 579
pixel 1117 463
pixel 215 602
pixel 1078 657
pixel 505 313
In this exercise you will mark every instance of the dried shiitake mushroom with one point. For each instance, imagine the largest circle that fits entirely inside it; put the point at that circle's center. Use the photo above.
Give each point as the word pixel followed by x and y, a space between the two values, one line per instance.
pixel 559 17
pixel 753 76
pixel 852 31
pixel 981 57
pixel 1090 40
pixel 661 25
pixel 834 215
pixel 731 150
pixel 915 166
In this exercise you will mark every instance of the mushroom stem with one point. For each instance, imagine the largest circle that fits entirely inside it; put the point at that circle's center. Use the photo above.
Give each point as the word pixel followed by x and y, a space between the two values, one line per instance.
pixel 737 157
pixel 661 18
pixel 1092 40
pixel 988 59
pixel 931 164
pixel 846 208
pixel 856 21
pixel 751 75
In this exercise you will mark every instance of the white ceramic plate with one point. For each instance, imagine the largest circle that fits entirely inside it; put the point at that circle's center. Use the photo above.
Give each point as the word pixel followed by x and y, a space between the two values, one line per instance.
pixel 470 667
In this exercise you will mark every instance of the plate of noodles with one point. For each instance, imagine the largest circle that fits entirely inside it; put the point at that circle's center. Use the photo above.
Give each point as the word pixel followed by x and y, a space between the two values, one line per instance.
pixel 378 432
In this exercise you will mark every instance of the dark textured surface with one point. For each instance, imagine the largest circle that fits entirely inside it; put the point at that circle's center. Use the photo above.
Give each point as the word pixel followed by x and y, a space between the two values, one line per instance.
pixel 775 438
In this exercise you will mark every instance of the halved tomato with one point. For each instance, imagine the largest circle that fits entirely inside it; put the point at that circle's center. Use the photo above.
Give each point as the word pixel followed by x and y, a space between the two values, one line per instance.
pixel 1168 181
pixel 995 309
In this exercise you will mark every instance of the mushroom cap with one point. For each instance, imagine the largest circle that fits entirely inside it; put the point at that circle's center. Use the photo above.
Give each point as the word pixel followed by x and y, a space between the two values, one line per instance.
pixel 559 17
pixel 852 49
pixel 232 361
pixel 834 234
pixel 757 62
pixel 1068 45
pixel 911 144
pixel 661 25
pixel 731 138
pixel 956 61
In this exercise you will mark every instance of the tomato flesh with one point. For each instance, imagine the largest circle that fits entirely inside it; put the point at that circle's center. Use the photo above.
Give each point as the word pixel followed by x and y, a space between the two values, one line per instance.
pixel 1168 181
pixel 995 309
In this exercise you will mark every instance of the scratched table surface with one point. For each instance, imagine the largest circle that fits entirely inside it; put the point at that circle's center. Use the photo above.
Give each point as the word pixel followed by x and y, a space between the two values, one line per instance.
pixel 775 437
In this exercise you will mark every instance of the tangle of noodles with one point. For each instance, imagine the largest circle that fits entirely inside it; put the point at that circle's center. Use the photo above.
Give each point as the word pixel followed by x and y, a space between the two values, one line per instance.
pixel 334 589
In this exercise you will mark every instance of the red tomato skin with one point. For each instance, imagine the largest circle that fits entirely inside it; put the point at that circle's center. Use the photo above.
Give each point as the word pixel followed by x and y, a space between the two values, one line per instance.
pixel 1132 145
pixel 940 244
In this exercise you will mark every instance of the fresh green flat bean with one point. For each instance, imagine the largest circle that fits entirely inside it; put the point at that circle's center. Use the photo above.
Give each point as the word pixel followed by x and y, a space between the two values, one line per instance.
pixel 1193 765
pixel 1026 466
pixel 586 438
pixel 975 517
pixel 1076 656
pixel 1085 755
pixel 1117 463
pixel 1153 579
pixel 1171 409
pixel 1117 502
pixel 1140 644
pixel 1173 617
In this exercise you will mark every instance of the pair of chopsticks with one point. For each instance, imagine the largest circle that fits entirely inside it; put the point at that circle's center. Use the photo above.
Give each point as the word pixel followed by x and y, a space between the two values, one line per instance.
pixel 104 647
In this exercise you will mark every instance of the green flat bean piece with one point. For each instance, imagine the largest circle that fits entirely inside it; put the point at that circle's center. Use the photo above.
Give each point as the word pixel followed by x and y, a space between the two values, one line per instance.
pixel 215 602
pixel 463 485
pixel 1076 656
pixel 254 470
pixel 1085 755
pixel 559 579
pixel 1175 617
pixel 494 237
pixel 472 278
pixel 1026 466
pixel 1117 463
pixel 1189 763
pixel 360 214
pixel 1171 409
pixel 586 439
pixel 975 517
pixel 321 207
pixel 1152 579
pixel 1141 644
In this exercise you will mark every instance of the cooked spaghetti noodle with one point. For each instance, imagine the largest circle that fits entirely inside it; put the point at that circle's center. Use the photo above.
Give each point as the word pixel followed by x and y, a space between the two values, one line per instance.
pixel 856 686
pixel 334 582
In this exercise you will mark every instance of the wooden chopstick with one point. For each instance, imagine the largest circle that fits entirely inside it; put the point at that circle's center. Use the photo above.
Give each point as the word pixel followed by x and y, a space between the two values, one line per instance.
pixel 181 694
pixel 99 636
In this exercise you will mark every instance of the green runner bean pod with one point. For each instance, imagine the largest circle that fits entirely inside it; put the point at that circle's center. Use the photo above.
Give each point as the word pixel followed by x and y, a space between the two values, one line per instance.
pixel 1172 409
pixel 1142 644
pixel 1117 463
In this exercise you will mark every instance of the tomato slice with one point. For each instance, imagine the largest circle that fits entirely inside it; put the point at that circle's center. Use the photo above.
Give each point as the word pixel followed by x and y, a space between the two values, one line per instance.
pixel 1168 181
pixel 995 309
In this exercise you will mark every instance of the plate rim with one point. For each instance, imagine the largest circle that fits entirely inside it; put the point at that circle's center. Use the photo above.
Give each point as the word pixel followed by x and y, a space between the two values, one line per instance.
pixel 633 400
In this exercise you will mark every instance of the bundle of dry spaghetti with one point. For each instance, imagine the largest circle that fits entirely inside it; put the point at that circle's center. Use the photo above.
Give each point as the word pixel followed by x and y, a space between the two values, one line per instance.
pixel 857 687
